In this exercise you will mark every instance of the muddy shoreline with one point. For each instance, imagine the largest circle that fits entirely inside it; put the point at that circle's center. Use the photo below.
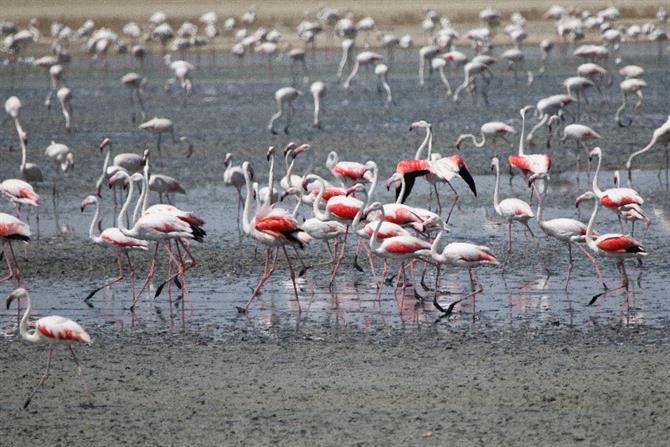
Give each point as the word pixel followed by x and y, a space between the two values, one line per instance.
pixel 547 386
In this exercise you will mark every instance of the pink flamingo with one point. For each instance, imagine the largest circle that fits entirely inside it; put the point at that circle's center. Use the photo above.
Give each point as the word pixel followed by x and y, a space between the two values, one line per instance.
pixel 274 228
pixel 12 229
pixel 19 193
pixel 347 172
pixel 661 135
pixel 580 134
pixel 112 238
pixel 52 330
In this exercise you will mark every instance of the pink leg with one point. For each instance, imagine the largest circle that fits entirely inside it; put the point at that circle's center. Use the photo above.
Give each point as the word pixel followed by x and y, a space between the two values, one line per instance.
pixel 567 279
pixel 10 271
pixel 594 261
pixel 266 274
pixel 509 237
pixel 150 275
pixel 43 379
pixel 292 274
pixel 17 272
pixel 339 259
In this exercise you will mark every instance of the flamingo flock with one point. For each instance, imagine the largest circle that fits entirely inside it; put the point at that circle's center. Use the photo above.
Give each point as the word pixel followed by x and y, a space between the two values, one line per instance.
pixel 337 202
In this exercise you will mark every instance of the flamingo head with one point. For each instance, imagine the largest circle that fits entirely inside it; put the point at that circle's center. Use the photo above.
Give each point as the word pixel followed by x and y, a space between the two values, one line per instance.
pixel 358 188
pixel 88 200
pixel 421 124
pixel 105 143
pixel 394 179
pixel 145 157
pixel 227 159
pixel 376 206
pixel 136 177
pixel 536 176
pixel 495 163
pixel 300 149
pixel 596 151
pixel 525 110
pixel 332 159
pixel 16 295
pixel 119 176
pixel 24 137
pixel 588 195
pixel 288 148
pixel 270 152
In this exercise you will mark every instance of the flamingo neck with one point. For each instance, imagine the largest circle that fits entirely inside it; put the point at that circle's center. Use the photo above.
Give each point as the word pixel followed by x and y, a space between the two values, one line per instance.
pixel 403 186
pixel 540 206
pixel 374 244
pixel 93 231
pixel 137 213
pixel 23 326
pixel 435 253
pixel 317 108
pixel 246 215
pixel 594 184
pixel 373 187
pixel 522 140
pixel 289 171
pixel 121 220
pixel 23 144
pixel 271 175
pixel 589 228
pixel 105 165
pixel 496 189
pixel 641 151
pixel 426 142
pixel 145 188
pixel 317 202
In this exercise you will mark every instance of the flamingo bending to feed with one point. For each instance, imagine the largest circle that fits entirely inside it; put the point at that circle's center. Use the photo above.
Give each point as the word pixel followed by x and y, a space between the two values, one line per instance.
pixel 233 176
pixel 397 247
pixel 284 97
pixel 613 245
pixel 463 255
pixel 510 209
pixel 112 238
pixel 661 135
pixel 52 330
pixel 135 82
pixel 12 229
pixel 490 131
pixel 347 172
pixel 548 107
pixel 19 193
pixel 274 228
pixel 631 86
pixel 580 134
pixel 364 58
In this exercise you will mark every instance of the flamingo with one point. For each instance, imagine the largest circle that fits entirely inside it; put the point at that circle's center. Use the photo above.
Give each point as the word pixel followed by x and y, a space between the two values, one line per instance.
pixel 52 330
pixel 364 58
pixel 159 126
pixel 397 247
pixel 347 172
pixel 112 238
pixel 426 54
pixel 463 255
pixel 613 198
pixel 661 135
pixel 233 176
pixel 19 193
pixel 381 70
pixel 439 64
pixel 529 163
pixel 580 134
pixel 576 86
pixel 347 52
pixel 164 184
pixel 546 108
pixel 134 82
pixel 613 245
pixel 472 70
pixel 285 96
pixel 62 159
pixel 291 152
pixel 510 209
pixel 318 90
pixel 297 56
pixel 12 229
pixel 489 131
pixel 64 96
pixel 13 108
pixel 274 228
pixel 629 87
pixel 566 230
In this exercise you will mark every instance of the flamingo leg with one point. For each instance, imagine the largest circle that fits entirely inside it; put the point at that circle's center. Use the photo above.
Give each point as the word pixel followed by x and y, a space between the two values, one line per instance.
pixel 17 272
pixel 10 273
pixel 150 275
pixel 292 274
pixel 117 278
pixel 264 276
pixel 43 379
pixel 131 273
pixel 456 199
pixel 339 259
pixel 594 261
pixel 80 371
pixel 570 265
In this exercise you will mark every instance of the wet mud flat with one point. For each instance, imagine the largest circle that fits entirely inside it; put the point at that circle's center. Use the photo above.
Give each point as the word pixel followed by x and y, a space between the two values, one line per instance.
pixel 472 386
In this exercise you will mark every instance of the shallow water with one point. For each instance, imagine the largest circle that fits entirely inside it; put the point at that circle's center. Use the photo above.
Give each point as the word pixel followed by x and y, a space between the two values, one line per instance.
pixel 229 112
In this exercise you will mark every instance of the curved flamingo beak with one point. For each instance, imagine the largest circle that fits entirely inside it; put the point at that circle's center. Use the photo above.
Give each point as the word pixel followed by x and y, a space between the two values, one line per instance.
pixel 351 190
pixel 300 149
pixel 106 142
pixel 288 147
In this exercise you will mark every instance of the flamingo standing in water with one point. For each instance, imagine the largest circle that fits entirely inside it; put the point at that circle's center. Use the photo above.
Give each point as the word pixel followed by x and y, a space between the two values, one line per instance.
pixel 534 164
pixel 12 229
pixel 274 228
pixel 397 247
pixel 318 90
pixel 364 58
pixel 112 237
pixel 579 133
pixel 631 86
pixel 510 209
pixel 159 126
pixel 566 230
pixel 613 198
pixel 135 82
pixel 53 330
pixel 613 245
pixel 661 135
pixel 284 97
pixel 463 255
pixel 19 193
pixel 62 159
pixel 233 176
pixel 490 131
pixel 64 96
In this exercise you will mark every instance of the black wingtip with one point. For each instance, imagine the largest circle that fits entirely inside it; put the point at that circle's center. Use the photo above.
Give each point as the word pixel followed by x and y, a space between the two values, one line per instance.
pixel 467 177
